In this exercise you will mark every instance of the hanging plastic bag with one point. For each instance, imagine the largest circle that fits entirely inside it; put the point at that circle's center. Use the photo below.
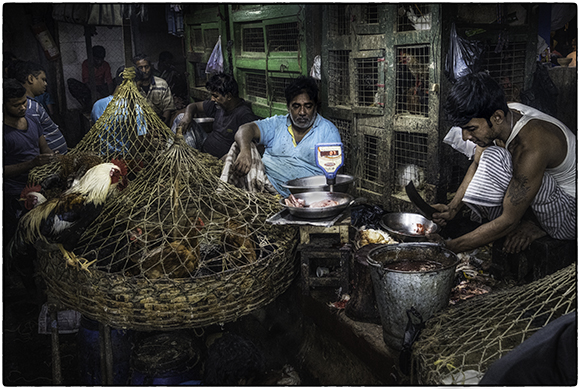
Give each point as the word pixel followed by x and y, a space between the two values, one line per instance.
pixel 315 69
pixel 415 324
pixel 464 56
pixel 215 64
pixel 454 138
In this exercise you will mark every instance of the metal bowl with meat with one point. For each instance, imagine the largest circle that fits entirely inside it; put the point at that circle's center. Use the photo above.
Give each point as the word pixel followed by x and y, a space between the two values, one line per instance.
pixel 319 184
pixel 317 205
pixel 408 227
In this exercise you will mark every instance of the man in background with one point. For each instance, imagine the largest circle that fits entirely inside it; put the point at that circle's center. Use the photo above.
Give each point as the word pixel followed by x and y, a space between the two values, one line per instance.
pixel 155 89
pixel 102 69
pixel 228 110
pixel 33 78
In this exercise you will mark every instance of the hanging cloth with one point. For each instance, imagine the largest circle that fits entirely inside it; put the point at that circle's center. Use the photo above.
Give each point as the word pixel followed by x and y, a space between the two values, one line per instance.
pixel 174 16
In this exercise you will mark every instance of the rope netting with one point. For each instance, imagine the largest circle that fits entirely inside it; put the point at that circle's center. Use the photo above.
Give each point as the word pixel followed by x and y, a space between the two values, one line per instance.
pixel 177 248
pixel 128 130
pixel 462 342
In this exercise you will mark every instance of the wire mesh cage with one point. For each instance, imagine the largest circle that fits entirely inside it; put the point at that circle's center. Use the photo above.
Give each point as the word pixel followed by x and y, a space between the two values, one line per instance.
pixel 370 13
pixel 283 37
pixel 338 77
pixel 412 17
pixel 412 80
pixel 371 168
pixel 256 84
pixel 253 40
pixel 339 19
pixel 506 64
pixel 345 129
pixel 178 247
pixel 211 36
pixel 367 83
pixel 410 152
pixel 196 40
pixel 278 86
pixel 466 339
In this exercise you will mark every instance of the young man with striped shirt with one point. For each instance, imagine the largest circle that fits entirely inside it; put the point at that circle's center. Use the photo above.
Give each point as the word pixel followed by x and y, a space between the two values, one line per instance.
pixel 523 177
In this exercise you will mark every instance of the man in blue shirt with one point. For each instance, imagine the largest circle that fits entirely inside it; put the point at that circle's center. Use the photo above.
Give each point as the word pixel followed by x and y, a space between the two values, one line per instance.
pixel 33 77
pixel 24 148
pixel 289 140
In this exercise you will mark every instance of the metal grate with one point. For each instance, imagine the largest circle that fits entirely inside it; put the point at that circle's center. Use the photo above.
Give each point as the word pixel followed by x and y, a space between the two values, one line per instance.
pixel 507 67
pixel 412 80
pixel 339 16
pixel 338 77
pixel 457 175
pixel 196 38
pixel 413 17
pixel 253 40
pixel 283 37
pixel 256 84
pixel 345 130
pixel 211 36
pixel 279 85
pixel 367 80
pixel 371 158
pixel 370 13
pixel 200 74
pixel 410 157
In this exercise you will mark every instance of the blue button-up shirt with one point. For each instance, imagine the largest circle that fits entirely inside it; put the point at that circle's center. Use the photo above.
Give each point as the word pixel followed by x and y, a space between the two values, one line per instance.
pixel 283 159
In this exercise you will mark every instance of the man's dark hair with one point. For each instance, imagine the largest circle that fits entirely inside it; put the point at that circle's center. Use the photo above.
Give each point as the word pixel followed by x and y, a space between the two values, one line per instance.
pixel 302 84
pixel 223 84
pixel 232 358
pixel 99 52
pixel 12 89
pixel 20 70
pixel 474 95
pixel 139 57
pixel 165 56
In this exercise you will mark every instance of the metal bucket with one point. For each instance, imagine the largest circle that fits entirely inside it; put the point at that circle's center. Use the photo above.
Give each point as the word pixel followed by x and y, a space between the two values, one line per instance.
pixel 406 275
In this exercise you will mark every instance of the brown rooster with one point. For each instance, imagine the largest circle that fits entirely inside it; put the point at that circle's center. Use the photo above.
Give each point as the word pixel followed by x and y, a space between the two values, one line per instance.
pixel 177 259
pixel 238 244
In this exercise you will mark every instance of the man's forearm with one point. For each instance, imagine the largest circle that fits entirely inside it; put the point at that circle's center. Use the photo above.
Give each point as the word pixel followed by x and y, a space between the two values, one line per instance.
pixel 484 234
pixel 245 135
pixel 19 168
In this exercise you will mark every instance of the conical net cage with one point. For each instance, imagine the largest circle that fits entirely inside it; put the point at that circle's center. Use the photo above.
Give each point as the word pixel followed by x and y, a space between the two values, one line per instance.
pixel 462 342
pixel 178 248
pixel 128 130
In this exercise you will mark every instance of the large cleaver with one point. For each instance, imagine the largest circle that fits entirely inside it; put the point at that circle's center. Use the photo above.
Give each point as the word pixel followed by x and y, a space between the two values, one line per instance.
pixel 416 199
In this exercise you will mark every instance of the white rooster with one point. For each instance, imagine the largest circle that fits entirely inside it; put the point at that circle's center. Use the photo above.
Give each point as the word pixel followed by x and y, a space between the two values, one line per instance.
pixel 63 219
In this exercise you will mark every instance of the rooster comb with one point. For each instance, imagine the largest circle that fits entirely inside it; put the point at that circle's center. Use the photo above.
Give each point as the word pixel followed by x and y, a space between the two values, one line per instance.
pixel 121 165
pixel 28 189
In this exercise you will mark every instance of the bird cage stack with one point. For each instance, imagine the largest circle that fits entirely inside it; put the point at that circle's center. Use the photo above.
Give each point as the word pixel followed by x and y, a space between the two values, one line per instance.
pixel 178 248
pixel 128 130
pixel 459 344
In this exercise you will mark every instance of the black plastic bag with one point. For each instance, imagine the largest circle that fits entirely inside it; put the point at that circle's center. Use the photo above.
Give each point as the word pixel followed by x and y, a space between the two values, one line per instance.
pixel 464 56
pixel 414 327
pixel 543 95
pixel 366 215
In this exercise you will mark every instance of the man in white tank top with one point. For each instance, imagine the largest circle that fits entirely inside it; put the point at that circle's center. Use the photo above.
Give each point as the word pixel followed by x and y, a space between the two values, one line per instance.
pixel 540 176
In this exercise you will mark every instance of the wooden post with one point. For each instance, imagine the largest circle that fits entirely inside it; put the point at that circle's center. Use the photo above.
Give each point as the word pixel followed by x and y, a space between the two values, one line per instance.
pixel 106 354
pixel 89 47
pixel 56 366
